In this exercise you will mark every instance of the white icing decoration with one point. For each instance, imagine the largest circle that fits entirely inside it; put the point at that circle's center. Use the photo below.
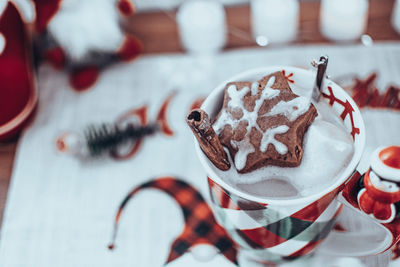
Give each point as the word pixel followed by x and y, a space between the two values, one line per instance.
pixel 269 138
pixel 224 119
pixel 291 109
pixel 244 149
pixel 254 88
pixel 236 96
pixel 236 101
pixel 268 92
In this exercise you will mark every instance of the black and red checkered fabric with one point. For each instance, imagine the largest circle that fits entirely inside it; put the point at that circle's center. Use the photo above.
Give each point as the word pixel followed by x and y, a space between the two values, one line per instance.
pixel 200 224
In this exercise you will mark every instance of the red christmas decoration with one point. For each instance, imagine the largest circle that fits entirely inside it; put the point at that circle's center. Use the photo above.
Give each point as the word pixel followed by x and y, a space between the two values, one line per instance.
pixel 141 114
pixel 78 145
pixel 84 72
pixel 377 192
pixel 366 94
pixel 18 93
pixel 83 78
pixel 381 190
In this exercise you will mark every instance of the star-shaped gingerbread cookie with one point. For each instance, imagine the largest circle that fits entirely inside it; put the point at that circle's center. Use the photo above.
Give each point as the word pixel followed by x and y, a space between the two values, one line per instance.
pixel 263 123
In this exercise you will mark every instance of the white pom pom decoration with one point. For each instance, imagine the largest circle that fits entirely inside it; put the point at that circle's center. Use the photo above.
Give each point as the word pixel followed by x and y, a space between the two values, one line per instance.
pixel 204 252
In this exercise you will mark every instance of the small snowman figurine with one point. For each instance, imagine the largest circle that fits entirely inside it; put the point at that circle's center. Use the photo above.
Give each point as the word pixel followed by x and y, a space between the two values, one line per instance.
pixel 381 183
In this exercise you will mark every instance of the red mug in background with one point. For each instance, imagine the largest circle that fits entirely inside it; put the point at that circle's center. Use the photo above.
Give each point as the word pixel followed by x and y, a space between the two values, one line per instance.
pixel 271 231
pixel 18 92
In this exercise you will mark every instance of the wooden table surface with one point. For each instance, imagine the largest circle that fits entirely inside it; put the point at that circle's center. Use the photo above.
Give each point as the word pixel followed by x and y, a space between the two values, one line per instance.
pixel 158 32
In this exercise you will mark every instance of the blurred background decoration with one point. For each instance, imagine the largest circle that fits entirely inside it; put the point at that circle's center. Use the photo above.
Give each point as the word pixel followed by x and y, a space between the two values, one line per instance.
pixel 343 20
pixel 395 19
pixel 202 27
pixel 257 22
pixel 18 92
pixel 274 21
pixel 83 37
pixel 151 5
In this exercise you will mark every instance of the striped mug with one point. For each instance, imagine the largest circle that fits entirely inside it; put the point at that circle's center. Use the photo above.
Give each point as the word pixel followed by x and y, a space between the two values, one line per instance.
pixel 270 231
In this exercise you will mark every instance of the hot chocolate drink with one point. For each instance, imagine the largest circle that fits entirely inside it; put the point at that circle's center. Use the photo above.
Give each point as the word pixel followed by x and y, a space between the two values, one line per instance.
pixel 270 140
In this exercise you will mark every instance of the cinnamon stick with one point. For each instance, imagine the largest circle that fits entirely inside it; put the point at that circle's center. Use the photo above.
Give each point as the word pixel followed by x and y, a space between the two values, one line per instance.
pixel 200 124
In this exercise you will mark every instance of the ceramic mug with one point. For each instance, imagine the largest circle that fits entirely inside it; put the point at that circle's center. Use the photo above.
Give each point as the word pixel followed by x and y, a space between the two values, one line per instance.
pixel 273 230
